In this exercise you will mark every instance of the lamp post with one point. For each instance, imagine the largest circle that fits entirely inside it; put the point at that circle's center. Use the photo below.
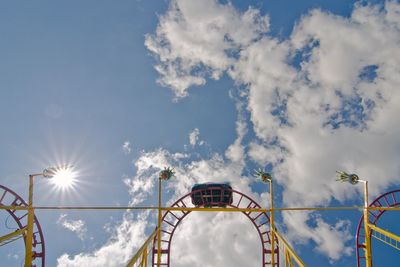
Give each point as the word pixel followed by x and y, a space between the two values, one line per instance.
pixel 267 178
pixel 165 174
pixel 354 179
pixel 47 173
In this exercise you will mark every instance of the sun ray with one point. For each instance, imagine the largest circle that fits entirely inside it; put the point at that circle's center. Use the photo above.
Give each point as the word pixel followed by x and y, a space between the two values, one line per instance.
pixel 64 178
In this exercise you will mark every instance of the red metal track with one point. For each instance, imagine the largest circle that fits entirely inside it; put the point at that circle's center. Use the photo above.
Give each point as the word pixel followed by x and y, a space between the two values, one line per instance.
pixel 389 199
pixel 172 219
pixel 10 198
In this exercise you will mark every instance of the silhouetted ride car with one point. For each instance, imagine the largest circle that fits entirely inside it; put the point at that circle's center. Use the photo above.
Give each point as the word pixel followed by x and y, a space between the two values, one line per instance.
pixel 212 194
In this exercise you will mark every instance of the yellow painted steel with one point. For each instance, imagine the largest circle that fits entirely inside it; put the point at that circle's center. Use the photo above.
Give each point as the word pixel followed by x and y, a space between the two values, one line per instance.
pixel 384 208
pixel 216 209
pixel 289 249
pixel 143 262
pixel 368 256
pixel 2 207
pixel 91 208
pixel 318 208
pixel 140 254
pixel 29 232
pixel 271 222
pixel 143 252
pixel 388 237
pixel 288 259
pixel 159 224
pixel 96 208
pixel 8 237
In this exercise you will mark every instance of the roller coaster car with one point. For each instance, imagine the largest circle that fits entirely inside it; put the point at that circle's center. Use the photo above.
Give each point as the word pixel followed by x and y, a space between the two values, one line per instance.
pixel 212 194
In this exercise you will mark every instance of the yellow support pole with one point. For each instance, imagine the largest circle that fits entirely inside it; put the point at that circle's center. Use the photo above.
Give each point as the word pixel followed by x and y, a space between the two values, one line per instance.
pixel 145 258
pixel 384 232
pixel 12 235
pixel 29 234
pixel 96 208
pixel 13 207
pixel 271 218
pixel 159 225
pixel 143 262
pixel 368 256
pixel 214 209
pixel 287 257
pixel 289 249
pixel 141 250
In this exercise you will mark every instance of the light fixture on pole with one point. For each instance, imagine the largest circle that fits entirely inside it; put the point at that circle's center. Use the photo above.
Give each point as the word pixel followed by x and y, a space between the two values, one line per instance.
pixel 47 173
pixel 165 175
pixel 267 178
pixel 354 179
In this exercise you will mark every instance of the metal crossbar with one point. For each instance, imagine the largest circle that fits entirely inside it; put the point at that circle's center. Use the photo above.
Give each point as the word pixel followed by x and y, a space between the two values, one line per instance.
pixel 140 258
pixel 8 238
pixel 290 254
pixel 386 237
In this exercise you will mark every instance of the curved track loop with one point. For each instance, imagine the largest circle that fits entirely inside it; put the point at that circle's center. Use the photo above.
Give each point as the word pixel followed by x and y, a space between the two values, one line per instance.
pixel 172 219
pixel 10 198
pixel 389 199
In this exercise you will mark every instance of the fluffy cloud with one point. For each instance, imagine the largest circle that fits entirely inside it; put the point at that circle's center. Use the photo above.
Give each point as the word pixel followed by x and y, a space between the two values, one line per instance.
pixel 127 147
pixel 194 138
pixel 239 235
pixel 199 230
pixel 195 40
pixel 76 226
pixel 127 238
pixel 326 98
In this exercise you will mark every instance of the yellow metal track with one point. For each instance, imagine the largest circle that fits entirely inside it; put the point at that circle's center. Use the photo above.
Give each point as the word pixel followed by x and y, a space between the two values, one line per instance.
pixel 5 239
pixel 141 255
pixel 385 236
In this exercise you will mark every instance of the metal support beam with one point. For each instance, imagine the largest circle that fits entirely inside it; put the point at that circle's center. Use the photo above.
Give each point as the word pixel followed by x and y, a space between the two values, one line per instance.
pixel 9 236
pixel 389 238
pixel 368 256
pixel 142 250
pixel 271 222
pixel 288 248
pixel 159 224
pixel 29 233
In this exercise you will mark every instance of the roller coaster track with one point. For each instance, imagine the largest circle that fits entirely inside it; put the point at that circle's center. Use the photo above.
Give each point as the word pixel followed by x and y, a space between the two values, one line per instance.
pixel 387 200
pixel 19 213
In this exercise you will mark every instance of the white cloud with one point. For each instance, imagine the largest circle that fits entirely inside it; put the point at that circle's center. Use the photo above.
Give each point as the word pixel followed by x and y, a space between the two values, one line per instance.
pixel 127 147
pixel 76 226
pixel 329 239
pixel 264 154
pixel 127 238
pixel 194 138
pixel 238 233
pixel 311 117
pixel 219 239
pixel 312 126
pixel 193 38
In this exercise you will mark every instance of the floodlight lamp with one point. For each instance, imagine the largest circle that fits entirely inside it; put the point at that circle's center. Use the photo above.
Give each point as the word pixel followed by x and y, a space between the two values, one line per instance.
pixel 167 173
pixel 264 176
pixel 345 177
pixel 53 171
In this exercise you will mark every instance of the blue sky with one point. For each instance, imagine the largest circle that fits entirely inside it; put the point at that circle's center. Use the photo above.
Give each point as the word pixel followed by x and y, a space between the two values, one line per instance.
pixel 213 89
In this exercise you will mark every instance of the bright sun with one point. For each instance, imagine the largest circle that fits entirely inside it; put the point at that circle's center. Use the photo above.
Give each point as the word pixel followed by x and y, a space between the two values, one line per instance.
pixel 64 178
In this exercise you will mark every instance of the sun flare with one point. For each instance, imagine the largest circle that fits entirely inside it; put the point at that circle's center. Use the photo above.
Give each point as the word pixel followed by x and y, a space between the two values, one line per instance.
pixel 64 178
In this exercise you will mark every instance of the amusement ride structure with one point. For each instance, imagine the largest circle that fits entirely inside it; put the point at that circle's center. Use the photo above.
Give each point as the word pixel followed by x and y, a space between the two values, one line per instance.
pixel 209 197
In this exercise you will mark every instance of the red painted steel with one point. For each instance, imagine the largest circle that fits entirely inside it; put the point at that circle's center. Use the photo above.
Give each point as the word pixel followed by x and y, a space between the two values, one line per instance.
pixel 172 219
pixel 382 201
pixel 10 198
